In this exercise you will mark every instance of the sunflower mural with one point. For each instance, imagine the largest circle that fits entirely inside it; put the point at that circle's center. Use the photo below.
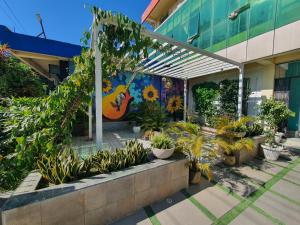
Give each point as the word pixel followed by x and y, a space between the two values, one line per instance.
pixel 174 104
pixel 106 85
pixel 150 93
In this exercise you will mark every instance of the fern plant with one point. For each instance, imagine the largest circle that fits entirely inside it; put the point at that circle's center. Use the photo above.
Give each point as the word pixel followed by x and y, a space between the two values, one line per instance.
pixel 191 142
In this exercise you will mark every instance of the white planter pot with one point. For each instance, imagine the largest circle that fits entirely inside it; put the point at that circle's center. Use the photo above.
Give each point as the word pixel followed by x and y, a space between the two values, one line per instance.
pixel 136 129
pixel 271 153
pixel 163 153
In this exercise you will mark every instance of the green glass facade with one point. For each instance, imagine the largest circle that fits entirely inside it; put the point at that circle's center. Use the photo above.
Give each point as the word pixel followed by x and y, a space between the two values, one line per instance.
pixel 209 20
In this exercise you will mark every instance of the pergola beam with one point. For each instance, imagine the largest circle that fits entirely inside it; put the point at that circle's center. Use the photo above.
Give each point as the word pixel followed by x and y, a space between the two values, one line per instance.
pixel 182 61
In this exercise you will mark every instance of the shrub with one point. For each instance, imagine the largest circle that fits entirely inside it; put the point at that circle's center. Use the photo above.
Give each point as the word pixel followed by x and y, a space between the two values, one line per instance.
pixel 61 168
pixel 18 80
pixel 273 113
pixel 161 141
pixel 133 154
pixel 204 95
pixel 150 116
pixel 66 166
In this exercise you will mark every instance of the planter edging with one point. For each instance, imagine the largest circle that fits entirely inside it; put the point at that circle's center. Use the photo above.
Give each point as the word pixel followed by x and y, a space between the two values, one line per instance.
pixel 89 198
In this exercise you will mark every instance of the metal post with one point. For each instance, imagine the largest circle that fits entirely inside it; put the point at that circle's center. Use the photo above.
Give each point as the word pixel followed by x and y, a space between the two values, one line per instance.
pixel 185 100
pixel 91 120
pixel 240 97
pixel 98 89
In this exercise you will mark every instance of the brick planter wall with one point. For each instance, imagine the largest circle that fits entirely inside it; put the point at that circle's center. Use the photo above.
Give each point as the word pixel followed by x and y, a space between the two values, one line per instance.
pixel 100 199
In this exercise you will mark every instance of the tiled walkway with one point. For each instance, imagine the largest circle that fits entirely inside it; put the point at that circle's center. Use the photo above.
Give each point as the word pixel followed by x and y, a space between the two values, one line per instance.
pixel 259 193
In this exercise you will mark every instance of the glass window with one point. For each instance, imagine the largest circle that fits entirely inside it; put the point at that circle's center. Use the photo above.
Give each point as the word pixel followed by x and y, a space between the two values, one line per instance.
pixel 193 24
pixel 288 12
pixel 237 28
pixel 205 15
pixel 262 17
pixel 204 40
pixel 291 69
pixel 219 22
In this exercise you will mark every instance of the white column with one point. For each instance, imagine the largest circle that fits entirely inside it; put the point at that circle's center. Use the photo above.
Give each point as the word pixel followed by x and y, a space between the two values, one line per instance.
pixel 240 97
pixel 98 90
pixel 91 119
pixel 185 100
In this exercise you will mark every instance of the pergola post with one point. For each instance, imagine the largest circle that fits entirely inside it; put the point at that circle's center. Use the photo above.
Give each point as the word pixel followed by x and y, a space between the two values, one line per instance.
pixel 240 97
pixel 98 90
pixel 90 113
pixel 185 100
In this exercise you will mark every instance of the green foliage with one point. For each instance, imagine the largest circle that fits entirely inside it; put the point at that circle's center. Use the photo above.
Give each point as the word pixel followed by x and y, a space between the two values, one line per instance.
pixel 161 141
pixel 150 116
pixel 60 168
pixel 18 80
pixel 37 127
pixel 205 95
pixel 34 127
pixel 10 174
pixel 230 135
pixel 191 142
pixel 273 113
pixel 133 154
pixel 226 93
pixel 254 129
pixel 229 92
pixel 66 166
pixel 122 45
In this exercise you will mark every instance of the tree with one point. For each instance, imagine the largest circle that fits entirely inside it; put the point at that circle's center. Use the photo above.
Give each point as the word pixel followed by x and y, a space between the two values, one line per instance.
pixel 18 80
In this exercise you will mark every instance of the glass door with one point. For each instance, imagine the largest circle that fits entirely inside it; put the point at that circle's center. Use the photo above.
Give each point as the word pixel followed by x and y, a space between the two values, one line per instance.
pixel 294 104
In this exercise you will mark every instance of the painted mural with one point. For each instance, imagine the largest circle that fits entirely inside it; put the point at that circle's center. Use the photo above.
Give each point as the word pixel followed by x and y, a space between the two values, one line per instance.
pixel 121 92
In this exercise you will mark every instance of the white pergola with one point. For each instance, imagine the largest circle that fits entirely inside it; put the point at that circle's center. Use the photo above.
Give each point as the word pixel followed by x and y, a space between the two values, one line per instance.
pixel 181 61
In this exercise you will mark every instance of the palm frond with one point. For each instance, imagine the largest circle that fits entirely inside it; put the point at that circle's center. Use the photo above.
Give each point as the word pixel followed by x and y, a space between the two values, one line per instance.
pixel 223 144
pixel 244 143
pixel 197 146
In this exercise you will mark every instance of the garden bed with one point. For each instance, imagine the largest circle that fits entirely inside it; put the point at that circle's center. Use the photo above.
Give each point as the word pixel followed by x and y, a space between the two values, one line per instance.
pixel 100 199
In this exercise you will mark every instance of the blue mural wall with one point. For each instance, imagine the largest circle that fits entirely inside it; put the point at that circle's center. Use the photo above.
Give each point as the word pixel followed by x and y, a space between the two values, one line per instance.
pixel 167 91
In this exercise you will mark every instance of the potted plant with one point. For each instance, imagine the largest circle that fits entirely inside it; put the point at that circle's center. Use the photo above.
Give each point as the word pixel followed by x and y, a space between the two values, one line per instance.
pixel 151 118
pixel 191 142
pixel 230 138
pixel 162 146
pixel 273 113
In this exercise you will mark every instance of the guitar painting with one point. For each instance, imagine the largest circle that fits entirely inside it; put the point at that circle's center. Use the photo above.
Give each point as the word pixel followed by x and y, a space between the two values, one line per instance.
pixel 115 105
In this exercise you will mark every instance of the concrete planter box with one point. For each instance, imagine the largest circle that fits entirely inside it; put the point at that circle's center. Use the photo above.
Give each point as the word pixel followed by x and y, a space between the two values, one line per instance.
pixel 244 156
pixel 101 199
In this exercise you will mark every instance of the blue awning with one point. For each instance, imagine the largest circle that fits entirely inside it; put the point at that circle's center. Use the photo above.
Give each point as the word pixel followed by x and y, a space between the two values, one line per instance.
pixel 21 42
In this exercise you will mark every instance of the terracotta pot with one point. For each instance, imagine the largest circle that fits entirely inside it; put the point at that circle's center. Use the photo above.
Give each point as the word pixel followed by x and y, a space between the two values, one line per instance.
pixel 194 177
pixel 229 160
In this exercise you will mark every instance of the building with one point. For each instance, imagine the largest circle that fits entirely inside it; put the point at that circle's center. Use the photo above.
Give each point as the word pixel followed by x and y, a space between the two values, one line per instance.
pixel 49 58
pixel 262 34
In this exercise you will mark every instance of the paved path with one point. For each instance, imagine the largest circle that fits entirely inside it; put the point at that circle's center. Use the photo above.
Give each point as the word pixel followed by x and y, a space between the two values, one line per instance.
pixel 261 193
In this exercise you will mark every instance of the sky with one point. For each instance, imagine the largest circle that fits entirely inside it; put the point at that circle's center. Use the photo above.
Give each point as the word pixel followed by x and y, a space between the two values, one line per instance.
pixel 64 20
